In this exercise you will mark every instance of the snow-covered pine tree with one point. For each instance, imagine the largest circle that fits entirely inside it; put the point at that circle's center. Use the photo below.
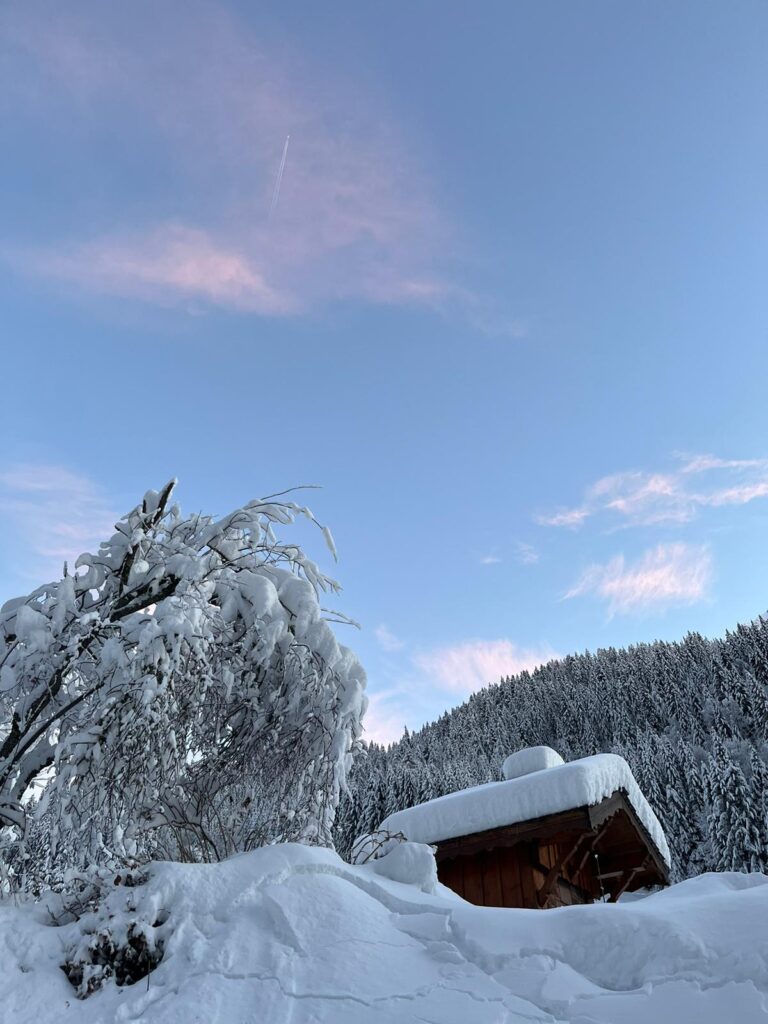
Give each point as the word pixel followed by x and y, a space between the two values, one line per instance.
pixel 732 829
pixel 759 800
pixel 184 693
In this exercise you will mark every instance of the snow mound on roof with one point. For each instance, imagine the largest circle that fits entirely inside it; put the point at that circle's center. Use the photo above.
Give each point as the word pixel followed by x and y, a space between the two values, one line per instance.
pixel 581 783
pixel 532 759
pixel 290 933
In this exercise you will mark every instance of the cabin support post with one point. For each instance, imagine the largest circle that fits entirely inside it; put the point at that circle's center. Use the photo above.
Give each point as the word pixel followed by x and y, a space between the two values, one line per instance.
pixel 593 841
pixel 565 856
pixel 629 878
pixel 555 871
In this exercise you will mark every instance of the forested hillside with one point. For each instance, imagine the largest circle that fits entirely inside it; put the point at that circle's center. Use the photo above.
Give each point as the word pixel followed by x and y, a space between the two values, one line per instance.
pixel 691 718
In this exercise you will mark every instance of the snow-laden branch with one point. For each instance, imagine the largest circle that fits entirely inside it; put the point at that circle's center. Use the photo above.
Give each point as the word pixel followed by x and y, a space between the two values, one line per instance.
pixel 183 690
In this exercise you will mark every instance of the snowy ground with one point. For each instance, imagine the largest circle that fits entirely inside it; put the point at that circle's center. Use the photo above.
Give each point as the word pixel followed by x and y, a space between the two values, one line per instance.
pixel 291 935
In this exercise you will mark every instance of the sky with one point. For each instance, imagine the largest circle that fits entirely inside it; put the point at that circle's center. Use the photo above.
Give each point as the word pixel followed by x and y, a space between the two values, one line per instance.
pixel 506 303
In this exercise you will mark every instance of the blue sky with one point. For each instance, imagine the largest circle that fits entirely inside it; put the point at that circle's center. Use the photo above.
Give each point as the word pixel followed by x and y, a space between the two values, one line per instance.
pixel 509 308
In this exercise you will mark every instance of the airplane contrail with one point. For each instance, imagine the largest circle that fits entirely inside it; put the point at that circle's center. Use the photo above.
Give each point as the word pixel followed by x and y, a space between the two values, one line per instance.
pixel 278 183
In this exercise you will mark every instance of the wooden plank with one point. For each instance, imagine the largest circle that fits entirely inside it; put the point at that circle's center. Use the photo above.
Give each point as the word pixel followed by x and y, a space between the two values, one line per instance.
pixel 528 883
pixel 473 882
pixel 449 873
pixel 492 880
pixel 509 870
pixel 599 813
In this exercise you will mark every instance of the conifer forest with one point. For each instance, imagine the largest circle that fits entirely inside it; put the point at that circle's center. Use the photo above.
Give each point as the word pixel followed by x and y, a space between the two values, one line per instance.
pixel 691 718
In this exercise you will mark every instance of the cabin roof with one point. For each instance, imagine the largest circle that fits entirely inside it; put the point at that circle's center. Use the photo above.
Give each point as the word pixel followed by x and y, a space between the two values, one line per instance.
pixel 583 783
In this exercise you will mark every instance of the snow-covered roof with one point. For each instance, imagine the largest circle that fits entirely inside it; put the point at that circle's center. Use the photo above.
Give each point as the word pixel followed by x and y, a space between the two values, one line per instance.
pixel 581 783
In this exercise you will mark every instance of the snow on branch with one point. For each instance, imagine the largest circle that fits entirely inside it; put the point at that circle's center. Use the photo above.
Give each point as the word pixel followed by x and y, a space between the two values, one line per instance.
pixel 182 693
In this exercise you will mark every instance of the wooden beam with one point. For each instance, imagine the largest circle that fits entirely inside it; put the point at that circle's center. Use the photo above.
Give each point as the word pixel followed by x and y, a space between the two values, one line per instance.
pixel 630 877
pixel 554 872
pixel 576 820
pixel 595 837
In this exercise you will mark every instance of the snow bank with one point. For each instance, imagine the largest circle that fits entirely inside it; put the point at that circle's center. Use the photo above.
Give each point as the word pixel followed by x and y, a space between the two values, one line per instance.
pixel 581 783
pixel 293 934
pixel 411 863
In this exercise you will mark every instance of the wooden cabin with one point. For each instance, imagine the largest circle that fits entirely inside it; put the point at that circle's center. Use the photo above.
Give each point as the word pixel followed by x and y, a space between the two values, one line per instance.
pixel 551 834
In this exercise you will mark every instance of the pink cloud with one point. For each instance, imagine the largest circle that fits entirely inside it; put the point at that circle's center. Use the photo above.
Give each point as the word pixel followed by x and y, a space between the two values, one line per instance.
pixel 667 575
pixel 645 498
pixel 213 105
pixel 639 498
pixel 466 667
pixel 170 262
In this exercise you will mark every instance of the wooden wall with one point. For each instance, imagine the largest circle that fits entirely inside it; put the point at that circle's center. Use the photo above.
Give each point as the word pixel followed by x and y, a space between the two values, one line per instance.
pixel 512 876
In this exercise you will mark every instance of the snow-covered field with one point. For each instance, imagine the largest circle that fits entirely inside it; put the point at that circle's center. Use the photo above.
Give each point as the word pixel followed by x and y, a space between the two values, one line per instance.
pixel 289 935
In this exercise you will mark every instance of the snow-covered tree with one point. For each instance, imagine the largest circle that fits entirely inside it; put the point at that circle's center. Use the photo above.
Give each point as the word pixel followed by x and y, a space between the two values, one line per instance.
pixel 182 693
pixel 732 827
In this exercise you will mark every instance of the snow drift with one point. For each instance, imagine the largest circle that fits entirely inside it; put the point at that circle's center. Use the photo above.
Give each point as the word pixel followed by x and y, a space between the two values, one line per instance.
pixel 293 934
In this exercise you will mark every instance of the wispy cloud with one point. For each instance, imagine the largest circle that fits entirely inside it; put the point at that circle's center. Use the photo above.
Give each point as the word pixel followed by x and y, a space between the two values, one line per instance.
pixel 210 106
pixel 522 553
pixel 387 640
pixel 665 576
pixel 466 667
pixel 736 495
pixel 54 514
pixel 573 518
pixel 640 498
pixel 387 715
pixel 167 264
pixel 526 553
pixel 702 463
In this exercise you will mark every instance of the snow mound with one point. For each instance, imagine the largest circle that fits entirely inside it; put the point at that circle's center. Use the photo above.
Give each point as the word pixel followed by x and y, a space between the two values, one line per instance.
pixel 293 934
pixel 412 863
pixel 581 783
pixel 531 759
pixel 372 845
